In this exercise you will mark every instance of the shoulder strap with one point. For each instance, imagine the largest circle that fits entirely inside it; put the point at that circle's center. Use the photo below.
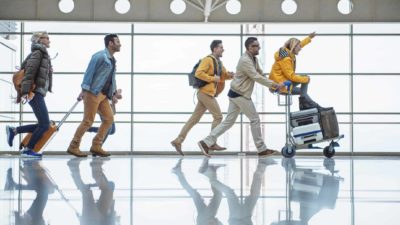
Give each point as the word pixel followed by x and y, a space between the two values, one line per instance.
pixel 215 65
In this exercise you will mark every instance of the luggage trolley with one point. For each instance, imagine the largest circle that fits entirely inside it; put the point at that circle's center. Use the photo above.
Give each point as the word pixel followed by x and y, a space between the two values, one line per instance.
pixel 289 150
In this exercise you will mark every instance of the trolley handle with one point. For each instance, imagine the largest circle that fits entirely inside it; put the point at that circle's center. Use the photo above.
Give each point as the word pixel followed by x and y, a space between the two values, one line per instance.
pixel 288 85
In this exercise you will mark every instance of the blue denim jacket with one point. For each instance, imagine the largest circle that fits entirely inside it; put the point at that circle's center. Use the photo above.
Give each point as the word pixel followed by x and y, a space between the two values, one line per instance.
pixel 97 72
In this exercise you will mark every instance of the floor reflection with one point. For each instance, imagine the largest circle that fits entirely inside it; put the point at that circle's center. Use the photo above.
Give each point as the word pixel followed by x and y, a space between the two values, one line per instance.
pixel 206 213
pixel 38 180
pixel 99 211
pixel 313 190
pixel 131 190
pixel 240 212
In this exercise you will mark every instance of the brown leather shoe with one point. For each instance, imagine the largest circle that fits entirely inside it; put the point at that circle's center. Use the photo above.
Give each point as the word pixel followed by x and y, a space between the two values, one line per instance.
pixel 96 150
pixel 267 152
pixel 177 146
pixel 216 147
pixel 204 148
pixel 74 150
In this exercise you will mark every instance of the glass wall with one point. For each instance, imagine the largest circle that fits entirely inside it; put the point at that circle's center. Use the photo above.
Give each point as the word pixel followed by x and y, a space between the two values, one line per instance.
pixel 351 67
pixel 8 110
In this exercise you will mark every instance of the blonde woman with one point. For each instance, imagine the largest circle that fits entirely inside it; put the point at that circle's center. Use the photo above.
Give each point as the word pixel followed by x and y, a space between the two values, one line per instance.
pixel 38 74
pixel 285 66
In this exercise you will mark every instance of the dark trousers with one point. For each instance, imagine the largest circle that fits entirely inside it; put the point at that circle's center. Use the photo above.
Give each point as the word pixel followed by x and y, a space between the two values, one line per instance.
pixel 39 108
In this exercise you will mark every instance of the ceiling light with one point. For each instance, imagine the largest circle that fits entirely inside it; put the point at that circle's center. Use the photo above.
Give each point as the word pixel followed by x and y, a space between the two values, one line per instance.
pixel 289 7
pixel 122 6
pixel 66 6
pixel 345 6
pixel 233 7
pixel 177 6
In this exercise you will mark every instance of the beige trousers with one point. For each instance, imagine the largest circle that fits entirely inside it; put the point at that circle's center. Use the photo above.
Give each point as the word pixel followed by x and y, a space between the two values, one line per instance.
pixel 95 104
pixel 236 106
pixel 205 103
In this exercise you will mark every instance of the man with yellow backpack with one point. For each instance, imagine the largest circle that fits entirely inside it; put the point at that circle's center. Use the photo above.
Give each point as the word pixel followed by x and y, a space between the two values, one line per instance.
pixel 213 74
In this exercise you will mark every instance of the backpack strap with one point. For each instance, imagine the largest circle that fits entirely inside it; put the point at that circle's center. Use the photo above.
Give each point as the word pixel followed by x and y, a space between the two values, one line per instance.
pixel 215 66
pixel 216 72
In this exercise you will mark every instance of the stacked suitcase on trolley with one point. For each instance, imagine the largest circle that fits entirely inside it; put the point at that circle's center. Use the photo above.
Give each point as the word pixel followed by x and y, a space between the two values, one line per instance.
pixel 310 126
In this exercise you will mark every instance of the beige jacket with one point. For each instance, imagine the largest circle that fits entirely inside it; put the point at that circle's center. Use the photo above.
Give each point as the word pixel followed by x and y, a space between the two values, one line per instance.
pixel 248 71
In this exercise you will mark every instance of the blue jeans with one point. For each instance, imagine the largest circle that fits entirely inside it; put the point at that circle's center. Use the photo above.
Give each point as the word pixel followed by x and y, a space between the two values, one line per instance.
pixel 39 108
pixel 302 90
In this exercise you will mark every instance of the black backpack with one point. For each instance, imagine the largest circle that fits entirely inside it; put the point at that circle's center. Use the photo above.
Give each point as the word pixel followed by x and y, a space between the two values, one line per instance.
pixel 196 82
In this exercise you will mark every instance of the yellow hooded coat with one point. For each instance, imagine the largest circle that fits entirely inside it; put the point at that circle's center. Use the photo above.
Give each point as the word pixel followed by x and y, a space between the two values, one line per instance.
pixel 205 72
pixel 284 66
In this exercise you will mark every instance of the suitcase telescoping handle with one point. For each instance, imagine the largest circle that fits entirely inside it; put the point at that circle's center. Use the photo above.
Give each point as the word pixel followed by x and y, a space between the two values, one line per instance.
pixel 66 115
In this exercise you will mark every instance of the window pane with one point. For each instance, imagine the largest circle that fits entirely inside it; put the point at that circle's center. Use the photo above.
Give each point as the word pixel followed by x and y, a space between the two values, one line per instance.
pixel 375 118
pixel 8 54
pixel 372 54
pixel 180 53
pixel 376 137
pixel 368 97
pixel 381 28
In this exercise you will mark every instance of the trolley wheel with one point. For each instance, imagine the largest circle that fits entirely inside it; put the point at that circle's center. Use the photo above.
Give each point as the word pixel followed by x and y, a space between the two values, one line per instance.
pixel 329 151
pixel 288 151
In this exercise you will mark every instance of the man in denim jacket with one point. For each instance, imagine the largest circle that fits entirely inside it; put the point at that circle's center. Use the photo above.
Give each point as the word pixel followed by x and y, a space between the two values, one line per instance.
pixel 98 87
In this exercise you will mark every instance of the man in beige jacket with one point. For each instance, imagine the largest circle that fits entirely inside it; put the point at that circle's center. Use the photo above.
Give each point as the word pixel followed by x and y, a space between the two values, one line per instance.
pixel 248 72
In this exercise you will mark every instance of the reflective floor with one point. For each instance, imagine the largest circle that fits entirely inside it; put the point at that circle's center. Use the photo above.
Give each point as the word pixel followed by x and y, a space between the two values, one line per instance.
pixel 134 190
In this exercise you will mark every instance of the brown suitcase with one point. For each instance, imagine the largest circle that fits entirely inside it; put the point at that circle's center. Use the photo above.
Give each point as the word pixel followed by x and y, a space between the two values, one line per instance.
pixel 48 135
pixel 329 123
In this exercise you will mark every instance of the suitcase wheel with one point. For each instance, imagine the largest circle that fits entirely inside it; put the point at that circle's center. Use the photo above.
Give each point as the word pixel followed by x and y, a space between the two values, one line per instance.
pixel 329 151
pixel 288 151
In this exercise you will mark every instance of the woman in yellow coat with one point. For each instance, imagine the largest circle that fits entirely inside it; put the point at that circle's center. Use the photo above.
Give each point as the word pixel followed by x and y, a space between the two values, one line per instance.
pixel 284 69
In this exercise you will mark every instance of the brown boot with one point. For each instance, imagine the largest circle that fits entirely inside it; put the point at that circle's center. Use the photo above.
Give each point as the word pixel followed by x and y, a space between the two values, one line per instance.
pixel 216 147
pixel 267 152
pixel 96 150
pixel 204 148
pixel 74 150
